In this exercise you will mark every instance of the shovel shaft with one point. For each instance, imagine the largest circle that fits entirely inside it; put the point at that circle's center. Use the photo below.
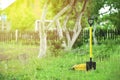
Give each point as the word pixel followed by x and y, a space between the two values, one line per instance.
pixel 90 42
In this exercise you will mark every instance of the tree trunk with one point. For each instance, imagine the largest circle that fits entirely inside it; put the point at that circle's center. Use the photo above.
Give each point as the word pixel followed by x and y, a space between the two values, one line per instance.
pixel 77 29
pixel 43 34
pixel 43 45
pixel 59 29
pixel 70 40
pixel 66 30
pixel 94 37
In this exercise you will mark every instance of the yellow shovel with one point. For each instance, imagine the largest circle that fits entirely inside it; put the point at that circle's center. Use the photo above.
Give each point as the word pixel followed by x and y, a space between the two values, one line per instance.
pixel 89 64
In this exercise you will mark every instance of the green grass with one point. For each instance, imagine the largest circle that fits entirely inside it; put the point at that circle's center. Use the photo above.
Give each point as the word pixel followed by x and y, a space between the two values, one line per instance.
pixel 107 57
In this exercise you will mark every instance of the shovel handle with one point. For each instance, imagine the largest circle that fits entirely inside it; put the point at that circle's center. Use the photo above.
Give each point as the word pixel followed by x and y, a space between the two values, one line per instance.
pixel 90 42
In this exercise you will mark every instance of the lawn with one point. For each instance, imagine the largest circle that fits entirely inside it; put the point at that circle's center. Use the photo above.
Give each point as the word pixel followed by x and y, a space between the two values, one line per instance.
pixel 23 64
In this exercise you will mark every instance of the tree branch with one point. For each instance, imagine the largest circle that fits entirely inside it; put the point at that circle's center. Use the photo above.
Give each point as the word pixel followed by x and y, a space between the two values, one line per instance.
pixel 61 12
pixel 78 27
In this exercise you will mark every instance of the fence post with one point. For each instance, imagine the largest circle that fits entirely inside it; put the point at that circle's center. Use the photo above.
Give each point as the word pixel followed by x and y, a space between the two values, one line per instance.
pixel 107 33
pixel 16 35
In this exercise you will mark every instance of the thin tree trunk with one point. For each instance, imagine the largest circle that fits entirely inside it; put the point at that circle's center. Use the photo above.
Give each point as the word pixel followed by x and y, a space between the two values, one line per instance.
pixel 77 29
pixel 94 37
pixel 43 35
pixel 43 45
pixel 66 31
pixel 59 29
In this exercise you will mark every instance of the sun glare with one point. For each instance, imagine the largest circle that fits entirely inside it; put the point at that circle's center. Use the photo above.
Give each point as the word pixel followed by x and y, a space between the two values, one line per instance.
pixel 5 3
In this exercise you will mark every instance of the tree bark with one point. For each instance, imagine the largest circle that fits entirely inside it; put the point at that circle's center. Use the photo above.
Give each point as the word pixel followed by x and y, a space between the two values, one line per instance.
pixel 94 37
pixel 70 40
pixel 61 12
pixel 42 33
pixel 77 29
pixel 59 29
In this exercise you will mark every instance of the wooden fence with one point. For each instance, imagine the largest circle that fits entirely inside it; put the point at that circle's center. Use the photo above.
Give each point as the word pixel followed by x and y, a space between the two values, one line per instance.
pixel 100 35
pixel 33 37
pixel 24 37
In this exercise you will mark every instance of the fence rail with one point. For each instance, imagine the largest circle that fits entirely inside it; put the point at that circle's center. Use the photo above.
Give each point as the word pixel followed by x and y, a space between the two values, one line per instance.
pixel 102 35
pixel 33 37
